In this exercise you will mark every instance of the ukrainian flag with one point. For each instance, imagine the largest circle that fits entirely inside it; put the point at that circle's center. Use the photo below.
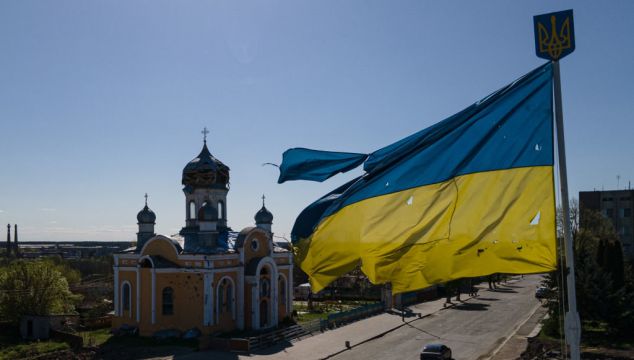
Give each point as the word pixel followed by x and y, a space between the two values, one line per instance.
pixel 470 196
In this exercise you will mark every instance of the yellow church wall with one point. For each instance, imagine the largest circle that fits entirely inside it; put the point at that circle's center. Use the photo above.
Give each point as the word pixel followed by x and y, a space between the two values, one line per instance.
pixel 146 301
pixel 248 316
pixel 161 247
pixel 189 289
pixel 127 317
pixel 188 300
pixel 227 262
pixel 263 247
pixel 226 321
pixel 281 304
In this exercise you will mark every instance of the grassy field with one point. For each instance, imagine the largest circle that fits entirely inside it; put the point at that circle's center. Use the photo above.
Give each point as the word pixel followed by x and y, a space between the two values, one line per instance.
pixel 594 335
pixel 322 309
pixel 96 337
pixel 12 348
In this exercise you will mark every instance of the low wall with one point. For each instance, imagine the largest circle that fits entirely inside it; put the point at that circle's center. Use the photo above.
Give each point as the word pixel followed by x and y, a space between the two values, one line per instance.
pixel 75 341
pixel 96 323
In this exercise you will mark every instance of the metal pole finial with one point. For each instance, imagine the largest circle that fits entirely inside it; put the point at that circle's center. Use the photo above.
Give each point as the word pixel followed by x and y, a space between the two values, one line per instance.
pixel 145 199
pixel 263 197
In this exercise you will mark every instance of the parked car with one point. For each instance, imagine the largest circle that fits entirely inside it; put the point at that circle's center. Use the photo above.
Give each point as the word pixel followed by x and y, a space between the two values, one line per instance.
pixel 542 292
pixel 435 352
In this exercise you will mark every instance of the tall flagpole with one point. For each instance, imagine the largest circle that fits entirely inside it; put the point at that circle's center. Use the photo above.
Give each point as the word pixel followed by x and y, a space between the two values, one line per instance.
pixel 555 39
pixel 571 321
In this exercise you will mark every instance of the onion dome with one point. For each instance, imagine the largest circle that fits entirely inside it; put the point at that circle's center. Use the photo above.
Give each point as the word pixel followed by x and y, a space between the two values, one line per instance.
pixel 146 216
pixel 208 212
pixel 263 216
pixel 205 171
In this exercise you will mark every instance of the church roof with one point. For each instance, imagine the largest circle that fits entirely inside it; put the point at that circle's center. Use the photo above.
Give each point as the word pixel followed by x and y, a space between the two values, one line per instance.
pixel 263 216
pixel 205 171
pixel 162 263
pixel 146 216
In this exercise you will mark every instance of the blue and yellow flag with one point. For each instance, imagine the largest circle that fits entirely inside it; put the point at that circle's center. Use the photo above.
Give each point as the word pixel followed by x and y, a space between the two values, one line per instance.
pixel 470 196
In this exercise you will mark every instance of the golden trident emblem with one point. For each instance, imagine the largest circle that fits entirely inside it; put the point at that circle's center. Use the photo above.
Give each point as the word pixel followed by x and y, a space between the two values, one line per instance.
pixel 557 41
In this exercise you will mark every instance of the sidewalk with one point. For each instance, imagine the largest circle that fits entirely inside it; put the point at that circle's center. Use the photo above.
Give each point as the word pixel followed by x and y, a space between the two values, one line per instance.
pixel 333 342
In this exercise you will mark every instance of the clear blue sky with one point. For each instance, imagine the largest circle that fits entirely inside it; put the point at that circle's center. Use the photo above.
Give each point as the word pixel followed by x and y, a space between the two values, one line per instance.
pixel 102 101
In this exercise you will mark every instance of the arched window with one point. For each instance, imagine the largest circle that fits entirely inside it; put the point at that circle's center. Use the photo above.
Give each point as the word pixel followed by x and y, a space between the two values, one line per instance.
pixel 220 210
pixel 225 296
pixel 264 287
pixel 168 301
pixel 192 210
pixel 282 287
pixel 125 296
pixel 221 297
pixel 229 298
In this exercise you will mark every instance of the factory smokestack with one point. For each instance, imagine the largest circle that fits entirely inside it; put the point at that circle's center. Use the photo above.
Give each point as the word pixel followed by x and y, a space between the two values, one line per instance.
pixel 8 240
pixel 15 240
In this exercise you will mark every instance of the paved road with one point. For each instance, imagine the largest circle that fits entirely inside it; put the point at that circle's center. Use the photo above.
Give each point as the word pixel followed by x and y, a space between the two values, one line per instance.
pixel 473 330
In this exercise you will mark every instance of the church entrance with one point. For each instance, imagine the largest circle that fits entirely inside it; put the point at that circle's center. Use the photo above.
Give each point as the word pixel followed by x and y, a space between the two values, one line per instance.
pixel 264 313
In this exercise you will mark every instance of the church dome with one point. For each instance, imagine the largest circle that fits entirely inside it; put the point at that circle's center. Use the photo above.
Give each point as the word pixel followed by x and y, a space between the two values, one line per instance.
pixel 263 216
pixel 146 216
pixel 208 212
pixel 205 171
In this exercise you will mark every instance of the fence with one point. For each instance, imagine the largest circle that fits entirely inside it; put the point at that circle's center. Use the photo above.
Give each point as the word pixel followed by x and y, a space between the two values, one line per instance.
pixel 286 334
pixel 293 332
pixel 361 312
pixel 314 326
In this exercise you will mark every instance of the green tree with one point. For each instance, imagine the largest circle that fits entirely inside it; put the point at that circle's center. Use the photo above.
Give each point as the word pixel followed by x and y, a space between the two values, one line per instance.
pixel 610 258
pixel 603 287
pixel 33 287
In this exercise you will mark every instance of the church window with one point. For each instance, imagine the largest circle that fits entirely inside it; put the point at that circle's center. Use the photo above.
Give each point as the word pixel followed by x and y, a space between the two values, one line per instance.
pixel 125 297
pixel 168 301
pixel 255 244
pixel 192 210
pixel 225 296
pixel 220 210
pixel 221 297
pixel 264 287
pixel 282 286
pixel 229 298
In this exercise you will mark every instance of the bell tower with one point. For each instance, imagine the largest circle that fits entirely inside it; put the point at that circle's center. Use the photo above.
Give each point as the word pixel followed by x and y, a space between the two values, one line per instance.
pixel 205 185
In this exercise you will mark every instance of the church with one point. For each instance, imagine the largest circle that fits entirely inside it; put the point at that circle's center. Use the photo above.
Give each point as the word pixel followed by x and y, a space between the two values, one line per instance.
pixel 207 277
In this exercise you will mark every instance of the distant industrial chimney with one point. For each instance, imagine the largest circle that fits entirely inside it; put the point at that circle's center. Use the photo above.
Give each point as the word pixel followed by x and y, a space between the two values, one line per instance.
pixel 8 240
pixel 15 240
